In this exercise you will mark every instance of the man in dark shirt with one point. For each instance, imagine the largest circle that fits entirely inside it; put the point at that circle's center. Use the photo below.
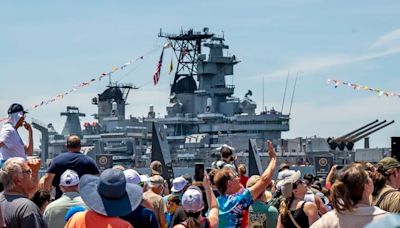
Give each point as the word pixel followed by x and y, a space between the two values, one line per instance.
pixel 20 182
pixel 74 160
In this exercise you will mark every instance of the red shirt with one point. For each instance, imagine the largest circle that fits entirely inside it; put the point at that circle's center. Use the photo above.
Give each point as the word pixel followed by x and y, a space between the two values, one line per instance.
pixel 243 180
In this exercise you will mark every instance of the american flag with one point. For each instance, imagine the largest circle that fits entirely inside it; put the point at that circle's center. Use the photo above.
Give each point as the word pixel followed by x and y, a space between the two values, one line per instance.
pixel 156 75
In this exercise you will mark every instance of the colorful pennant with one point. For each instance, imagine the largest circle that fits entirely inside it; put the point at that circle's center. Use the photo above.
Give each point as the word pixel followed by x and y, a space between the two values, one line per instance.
pixel 89 82
pixel 366 88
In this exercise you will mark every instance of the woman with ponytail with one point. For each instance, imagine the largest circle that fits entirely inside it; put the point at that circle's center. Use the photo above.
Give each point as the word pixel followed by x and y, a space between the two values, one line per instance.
pixel 350 200
pixel 192 203
pixel 294 211
pixel 386 178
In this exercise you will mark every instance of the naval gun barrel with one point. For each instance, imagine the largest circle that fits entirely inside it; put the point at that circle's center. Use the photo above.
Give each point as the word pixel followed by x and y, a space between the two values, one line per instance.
pixel 344 142
pixel 351 142
pixel 334 143
pixel 351 138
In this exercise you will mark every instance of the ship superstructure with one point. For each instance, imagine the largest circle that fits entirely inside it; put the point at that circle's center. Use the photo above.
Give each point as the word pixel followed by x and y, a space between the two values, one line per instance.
pixel 204 113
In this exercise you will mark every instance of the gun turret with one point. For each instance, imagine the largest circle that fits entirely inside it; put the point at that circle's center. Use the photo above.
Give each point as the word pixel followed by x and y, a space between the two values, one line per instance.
pixel 348 140
pixel 350 144
pixel 334 143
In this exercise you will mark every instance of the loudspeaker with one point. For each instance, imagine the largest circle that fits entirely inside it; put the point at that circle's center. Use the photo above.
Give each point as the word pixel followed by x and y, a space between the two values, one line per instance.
pixel 396 148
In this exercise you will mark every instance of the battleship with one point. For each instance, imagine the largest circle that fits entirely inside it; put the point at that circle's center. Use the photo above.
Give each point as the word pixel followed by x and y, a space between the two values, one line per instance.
pixel 202 115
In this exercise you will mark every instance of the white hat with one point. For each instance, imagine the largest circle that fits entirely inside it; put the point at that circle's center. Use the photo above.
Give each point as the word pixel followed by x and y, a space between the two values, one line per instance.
pixel 69 178
pixel 287 184
pixel 132 176
pixel 178 184
pixel 227 146
pixel 192 199
pixel 285 173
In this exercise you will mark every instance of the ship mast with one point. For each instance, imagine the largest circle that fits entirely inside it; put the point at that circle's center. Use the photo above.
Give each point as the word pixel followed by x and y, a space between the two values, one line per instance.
pixel 187 48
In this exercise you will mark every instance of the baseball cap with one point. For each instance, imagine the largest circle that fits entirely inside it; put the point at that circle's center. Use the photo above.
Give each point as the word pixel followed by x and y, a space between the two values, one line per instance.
pixel 132 176
pixel 178 184
pixel 387 163
pixel 16 108
pixel 192 199
pixel 69 178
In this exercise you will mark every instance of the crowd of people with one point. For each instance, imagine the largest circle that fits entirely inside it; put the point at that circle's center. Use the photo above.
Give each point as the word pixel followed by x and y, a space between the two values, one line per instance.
pixel 75 194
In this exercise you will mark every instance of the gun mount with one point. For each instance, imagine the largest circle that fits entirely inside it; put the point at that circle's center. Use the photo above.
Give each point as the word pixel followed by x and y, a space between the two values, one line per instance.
pixel 348 140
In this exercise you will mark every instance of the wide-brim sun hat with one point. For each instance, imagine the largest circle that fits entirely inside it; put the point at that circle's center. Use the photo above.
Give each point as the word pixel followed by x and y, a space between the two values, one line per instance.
pixel 178 184
pixel 110 194
pixel 192 199
pixel 287 184
pixel 283 165
pixel 285 174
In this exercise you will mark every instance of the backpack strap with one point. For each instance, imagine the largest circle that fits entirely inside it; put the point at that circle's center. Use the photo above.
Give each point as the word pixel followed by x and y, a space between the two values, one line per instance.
pixel 384 195
pixel 293 220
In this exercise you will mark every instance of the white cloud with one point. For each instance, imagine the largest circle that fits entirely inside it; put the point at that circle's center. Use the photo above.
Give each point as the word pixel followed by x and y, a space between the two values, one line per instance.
pixel 387 40
pixel 386 45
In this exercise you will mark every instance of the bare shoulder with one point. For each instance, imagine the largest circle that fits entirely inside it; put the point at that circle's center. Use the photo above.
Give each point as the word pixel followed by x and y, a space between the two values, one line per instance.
pixel 309 206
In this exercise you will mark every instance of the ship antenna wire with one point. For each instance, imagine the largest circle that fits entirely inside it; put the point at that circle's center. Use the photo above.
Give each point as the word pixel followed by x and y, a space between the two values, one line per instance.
pixel 155 48
pixel 284 93
pixel 263 106
pixel 294 89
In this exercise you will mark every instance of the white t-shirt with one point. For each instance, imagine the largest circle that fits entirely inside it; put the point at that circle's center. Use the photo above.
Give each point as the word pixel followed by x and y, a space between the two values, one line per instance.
pixel 13 144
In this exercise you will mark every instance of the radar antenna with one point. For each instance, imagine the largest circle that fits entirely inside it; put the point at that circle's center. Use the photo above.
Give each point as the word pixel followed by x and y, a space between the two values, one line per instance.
pixel 284 93
pixel 294 89
pixel 187 48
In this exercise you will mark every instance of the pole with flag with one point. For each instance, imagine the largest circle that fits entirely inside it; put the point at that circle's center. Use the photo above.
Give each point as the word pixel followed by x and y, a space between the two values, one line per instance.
pixel 171 67
pixel 156 76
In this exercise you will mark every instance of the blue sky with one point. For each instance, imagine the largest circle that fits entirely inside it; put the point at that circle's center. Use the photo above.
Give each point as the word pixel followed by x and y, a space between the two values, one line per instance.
pixel 47 47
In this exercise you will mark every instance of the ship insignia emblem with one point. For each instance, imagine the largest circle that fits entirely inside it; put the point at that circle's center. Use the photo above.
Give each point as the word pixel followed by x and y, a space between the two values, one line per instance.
pixel 103 160
pixel 323 162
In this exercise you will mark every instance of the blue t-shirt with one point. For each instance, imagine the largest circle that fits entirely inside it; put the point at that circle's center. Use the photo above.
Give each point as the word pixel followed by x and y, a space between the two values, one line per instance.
pixel 141 217
pixel 76 161
pixel 231 208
